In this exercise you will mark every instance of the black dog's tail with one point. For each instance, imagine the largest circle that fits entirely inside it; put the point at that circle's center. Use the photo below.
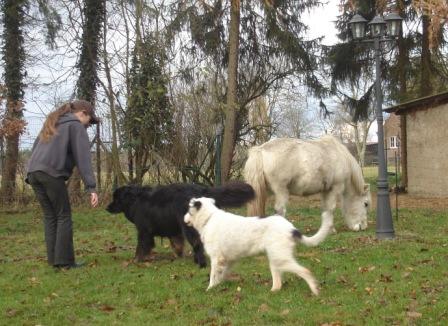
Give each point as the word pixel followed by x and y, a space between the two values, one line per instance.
pixel 232 194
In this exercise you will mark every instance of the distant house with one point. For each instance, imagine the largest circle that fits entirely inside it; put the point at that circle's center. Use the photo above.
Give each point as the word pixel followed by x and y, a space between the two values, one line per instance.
pixel 371 154
pixel 426 144
pixel 392 138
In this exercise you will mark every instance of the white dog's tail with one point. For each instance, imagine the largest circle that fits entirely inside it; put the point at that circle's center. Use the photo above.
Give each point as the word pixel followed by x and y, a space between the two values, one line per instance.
pixel 324 230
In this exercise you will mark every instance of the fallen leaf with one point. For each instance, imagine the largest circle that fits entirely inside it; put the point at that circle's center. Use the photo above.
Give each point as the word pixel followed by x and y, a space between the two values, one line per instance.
pixel 171 302
pixel 285 312
pixel 263 307
pixel 386 278
pixel 413 314
pixel 11 312
pixel 342 279
pixel 369 290
pixel 34 281
pixel 106 308
pixel 366 269
pixel 237 298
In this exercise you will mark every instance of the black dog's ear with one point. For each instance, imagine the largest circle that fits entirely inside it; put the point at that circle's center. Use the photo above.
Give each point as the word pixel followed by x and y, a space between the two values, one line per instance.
pixel 197 204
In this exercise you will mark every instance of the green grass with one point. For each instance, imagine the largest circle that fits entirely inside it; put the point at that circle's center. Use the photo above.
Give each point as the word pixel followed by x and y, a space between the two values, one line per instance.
pixel 363 281
pixel 371 173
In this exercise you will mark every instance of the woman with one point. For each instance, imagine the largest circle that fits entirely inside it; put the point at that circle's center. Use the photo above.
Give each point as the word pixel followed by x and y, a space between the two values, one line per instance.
pixel 62 144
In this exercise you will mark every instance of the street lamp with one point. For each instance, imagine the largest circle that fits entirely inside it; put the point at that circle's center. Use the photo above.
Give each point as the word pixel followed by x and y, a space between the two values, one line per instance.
pixel 381 30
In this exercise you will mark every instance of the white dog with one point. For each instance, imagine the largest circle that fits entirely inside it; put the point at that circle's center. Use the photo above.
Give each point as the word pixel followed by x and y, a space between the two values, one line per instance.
pixel 228 237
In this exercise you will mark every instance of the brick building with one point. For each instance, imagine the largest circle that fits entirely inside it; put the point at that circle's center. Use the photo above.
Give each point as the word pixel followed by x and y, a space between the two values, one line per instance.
pixel 392 138
pixel 426 148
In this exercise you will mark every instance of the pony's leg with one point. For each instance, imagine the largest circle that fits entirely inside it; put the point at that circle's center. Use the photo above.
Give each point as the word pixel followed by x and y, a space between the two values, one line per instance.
pixel 281 198
pixel 328 203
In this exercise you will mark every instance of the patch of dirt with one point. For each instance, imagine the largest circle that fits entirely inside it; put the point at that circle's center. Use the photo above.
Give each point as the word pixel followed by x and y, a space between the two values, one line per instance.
pixel 412 201
pixel 404 201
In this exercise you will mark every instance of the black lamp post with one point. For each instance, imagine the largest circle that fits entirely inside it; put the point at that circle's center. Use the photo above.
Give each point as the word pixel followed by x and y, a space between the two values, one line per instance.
pixel 381 30
pixel 218 134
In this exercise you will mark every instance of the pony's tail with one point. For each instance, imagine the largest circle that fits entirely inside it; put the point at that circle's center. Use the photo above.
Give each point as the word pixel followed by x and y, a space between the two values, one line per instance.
pixel 254 175
pixel 324 230
pixel 232 194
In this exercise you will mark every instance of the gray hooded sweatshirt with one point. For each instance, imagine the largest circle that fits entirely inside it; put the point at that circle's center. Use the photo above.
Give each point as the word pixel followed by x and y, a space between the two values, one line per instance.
pixel 68 148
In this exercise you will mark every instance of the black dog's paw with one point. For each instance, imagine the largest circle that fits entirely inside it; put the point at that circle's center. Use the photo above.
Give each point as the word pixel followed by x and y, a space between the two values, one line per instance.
pixel 200 260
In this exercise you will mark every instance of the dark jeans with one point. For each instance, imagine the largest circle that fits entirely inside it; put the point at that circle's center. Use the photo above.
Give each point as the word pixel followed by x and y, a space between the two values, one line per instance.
pixel 53 197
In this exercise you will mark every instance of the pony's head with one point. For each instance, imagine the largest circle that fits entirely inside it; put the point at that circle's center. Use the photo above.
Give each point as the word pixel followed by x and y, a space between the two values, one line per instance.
pixel 355 207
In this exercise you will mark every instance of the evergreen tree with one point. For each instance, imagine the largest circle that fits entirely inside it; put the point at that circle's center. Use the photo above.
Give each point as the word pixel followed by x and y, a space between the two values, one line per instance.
pixel 148 123
pixel 271 46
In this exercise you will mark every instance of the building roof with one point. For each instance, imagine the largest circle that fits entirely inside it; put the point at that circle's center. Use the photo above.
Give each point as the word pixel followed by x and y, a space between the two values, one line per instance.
pixel 422 103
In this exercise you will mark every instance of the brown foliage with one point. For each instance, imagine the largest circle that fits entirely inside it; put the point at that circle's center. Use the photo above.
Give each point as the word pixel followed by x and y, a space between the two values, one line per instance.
pixel 437 11
pixel 12 126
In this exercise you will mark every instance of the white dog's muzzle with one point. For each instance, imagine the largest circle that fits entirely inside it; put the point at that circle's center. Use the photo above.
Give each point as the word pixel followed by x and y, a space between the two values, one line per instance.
pixel 187 219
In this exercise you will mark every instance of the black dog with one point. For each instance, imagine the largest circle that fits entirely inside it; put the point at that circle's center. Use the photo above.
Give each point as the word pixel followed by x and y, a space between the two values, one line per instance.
pixel 160 211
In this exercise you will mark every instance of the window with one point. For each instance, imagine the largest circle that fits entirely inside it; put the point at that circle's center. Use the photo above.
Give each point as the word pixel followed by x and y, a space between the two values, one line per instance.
pixel 394 142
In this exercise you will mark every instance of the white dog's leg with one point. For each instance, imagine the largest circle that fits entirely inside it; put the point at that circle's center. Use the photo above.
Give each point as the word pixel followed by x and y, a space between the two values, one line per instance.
pixel 304 273
pixel 218 271
pixel 225 268
pixel 213 273
pixel 276 278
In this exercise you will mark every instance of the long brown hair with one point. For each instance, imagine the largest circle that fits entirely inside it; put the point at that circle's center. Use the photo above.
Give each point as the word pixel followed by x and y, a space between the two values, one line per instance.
pixel 49 128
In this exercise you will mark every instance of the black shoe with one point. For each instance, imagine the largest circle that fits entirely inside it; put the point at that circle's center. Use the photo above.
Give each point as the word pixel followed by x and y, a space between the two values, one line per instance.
pixel 69 266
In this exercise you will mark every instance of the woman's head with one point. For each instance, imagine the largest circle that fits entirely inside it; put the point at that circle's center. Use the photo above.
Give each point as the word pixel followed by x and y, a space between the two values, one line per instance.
pixel 82 109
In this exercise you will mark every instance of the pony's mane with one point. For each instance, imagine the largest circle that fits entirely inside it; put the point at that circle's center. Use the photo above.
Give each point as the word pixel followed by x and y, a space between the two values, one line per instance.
pixel 357 178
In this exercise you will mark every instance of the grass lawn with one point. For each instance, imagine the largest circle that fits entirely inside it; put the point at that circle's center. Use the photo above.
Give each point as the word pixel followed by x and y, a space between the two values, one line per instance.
pixel 363 281
pixel 371 173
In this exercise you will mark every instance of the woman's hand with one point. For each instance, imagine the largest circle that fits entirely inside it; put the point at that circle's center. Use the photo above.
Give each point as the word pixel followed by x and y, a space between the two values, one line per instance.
pixel 94 199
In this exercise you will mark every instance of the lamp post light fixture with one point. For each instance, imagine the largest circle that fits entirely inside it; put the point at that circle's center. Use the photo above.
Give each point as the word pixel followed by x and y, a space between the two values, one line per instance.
pixel 381 30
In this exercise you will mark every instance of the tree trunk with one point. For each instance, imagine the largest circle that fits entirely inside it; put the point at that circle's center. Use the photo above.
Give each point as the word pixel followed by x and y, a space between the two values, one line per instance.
pixel 88 62
pixel 9 172
pixel 425 75
pixel 232 102
pixel 115 155
pixel 13 125
pixel 402 80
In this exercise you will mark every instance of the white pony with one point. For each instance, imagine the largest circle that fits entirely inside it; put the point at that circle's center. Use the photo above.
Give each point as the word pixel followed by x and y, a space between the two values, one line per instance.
pixel 325 166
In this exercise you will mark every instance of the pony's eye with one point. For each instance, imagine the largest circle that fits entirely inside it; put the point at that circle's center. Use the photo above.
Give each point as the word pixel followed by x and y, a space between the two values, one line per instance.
pixel 366 204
